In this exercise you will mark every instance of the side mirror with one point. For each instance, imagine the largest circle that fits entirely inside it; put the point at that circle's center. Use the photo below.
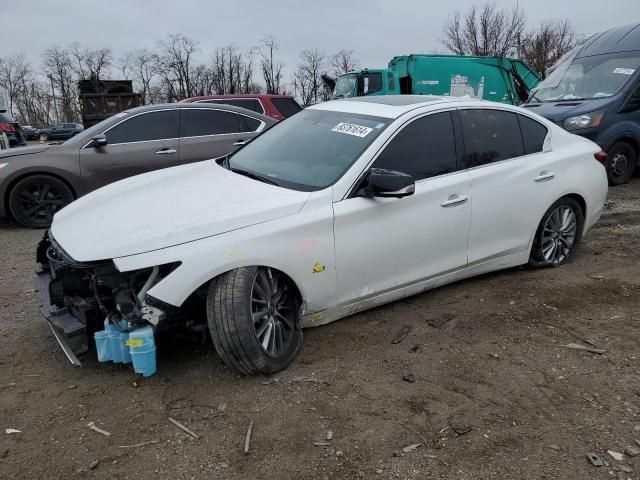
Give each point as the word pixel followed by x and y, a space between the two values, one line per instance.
pixel 99 141
pixel 389 183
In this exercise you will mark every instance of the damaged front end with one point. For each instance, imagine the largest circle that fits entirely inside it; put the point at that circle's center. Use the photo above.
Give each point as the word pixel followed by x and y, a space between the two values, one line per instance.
pixel 80 298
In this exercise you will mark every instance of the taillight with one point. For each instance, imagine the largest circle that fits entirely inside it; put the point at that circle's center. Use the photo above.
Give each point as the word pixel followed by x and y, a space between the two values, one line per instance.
pixel 601 157
pixel 6 127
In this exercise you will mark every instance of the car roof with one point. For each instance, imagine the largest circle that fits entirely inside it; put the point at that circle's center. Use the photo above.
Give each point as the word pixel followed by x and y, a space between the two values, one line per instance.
pixel 620 39
pixel 389 106
pixel 233 96
pixel 200 106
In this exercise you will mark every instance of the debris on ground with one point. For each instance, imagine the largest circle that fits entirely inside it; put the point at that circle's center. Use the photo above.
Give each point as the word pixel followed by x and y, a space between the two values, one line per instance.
pixel 460 428
pixel 409 377
pixel 577 346
pixel 401 334
pixel 150 442
pixel 557 448
pixel 221 407
pixel 307 380
pixel 625 468
pixel 414 349
pixel 595 460
pixel 329 435
pixel 615 455
pixel 93 427
pixel 247 438
pixel 632 451
pixel 9 431
pixel 441 321
pixel 636 429
pixel 270 381
pixel 94 464
pixel 411 448
pixel 182 427
pixel 322 444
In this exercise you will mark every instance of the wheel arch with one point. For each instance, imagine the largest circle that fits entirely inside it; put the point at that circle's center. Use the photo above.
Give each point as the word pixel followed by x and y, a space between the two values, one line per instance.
pixel 22 176
pixel 575 196
pixel 626 138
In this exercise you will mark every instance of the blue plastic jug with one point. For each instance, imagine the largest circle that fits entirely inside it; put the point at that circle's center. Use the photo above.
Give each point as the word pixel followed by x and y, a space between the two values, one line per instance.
pixel 142 346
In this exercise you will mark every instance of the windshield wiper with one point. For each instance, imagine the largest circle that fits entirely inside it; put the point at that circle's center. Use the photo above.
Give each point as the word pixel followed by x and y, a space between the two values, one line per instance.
pixel 255 176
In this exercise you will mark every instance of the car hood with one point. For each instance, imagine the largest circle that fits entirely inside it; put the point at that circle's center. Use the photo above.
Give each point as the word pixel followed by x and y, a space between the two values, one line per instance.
pixel 168 207
pixel 561 110
pixel 15 152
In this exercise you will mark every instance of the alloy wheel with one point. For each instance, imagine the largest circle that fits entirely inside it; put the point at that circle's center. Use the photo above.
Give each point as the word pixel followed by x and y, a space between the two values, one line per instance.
pixel 559 234
pixel 273 310
pixel 39 201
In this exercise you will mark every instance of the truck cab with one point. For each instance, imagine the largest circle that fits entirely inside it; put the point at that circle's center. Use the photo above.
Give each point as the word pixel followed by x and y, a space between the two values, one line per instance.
pixel 358 83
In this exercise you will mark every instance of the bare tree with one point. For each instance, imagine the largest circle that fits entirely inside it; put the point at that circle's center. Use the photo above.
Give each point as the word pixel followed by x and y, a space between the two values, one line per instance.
pixel 141 66
pixel 484 31
pixel 90 64
pixel 342 62
pixel 13 71
pixel 307 78
pixel 232 71
pixel 271 69
pixel 58 67
pixel 543 47
pixel 175 65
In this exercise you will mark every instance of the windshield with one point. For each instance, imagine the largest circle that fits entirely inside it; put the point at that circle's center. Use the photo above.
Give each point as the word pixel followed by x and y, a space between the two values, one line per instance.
pixel 599 76
pixel 345 86
pixel 310 150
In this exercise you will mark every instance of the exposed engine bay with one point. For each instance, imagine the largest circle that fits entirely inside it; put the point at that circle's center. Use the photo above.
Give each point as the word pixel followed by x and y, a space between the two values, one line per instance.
pixel 77 297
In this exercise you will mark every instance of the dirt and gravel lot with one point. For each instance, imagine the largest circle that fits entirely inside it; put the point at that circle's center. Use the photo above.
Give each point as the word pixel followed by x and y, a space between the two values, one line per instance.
pixel 494 395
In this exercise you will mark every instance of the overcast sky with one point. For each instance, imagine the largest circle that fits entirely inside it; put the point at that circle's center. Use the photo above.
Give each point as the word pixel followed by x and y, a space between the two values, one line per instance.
pixel 376 30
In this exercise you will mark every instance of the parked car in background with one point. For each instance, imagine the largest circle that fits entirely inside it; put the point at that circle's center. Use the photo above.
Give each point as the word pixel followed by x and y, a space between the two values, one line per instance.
pixel 37 181
pixel 60 131
pixel 12 129
pixel 30 132
pixel 345 206
pixel 274 106
pixel 594 91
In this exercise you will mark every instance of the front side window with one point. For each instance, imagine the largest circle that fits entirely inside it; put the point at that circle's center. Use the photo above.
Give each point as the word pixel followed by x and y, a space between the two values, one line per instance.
pixel 196 123
pixel 424 148
pixel 345 86
pixel 148 126
pixel 533 134
pixel 310 150
pixel 490 136
pixel 371 83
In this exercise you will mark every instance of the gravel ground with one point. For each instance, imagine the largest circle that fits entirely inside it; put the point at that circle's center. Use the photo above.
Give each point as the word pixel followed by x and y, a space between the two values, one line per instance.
pixel 494 395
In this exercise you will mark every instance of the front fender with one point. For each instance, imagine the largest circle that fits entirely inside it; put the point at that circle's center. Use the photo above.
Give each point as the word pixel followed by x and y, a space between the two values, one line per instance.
pixel 299 245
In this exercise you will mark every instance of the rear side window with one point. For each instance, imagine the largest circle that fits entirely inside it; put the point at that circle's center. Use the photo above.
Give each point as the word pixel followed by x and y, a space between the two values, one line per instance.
pixel 196 123
pixel 424 148
pixel 248 103
pixel 286 106
pixel 145 127
pixel 490 136
pixel 252 124
pixel 533 134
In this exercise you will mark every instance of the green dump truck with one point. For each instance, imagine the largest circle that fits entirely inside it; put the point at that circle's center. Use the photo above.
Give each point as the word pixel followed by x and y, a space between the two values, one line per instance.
pixel 499 79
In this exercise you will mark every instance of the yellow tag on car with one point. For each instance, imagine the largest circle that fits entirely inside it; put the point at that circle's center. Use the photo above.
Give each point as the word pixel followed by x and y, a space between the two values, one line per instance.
pixel 133 342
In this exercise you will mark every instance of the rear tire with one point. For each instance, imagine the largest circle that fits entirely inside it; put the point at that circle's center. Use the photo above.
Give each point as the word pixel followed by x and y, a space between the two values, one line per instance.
pixel 558 234
pixel 252 314
pixel 34 200
pixel 621 163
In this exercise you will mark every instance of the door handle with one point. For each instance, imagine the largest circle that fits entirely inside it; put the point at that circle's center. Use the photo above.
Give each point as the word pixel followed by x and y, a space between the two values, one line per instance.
pixel 454 199
pixel 166 151
pixel 544 175
pixel 240 143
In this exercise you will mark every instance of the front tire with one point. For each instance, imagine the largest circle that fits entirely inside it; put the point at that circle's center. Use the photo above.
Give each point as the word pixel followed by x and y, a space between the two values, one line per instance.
pixel 34 200
pixel 558 233
pixel 253 320
pixel 621 163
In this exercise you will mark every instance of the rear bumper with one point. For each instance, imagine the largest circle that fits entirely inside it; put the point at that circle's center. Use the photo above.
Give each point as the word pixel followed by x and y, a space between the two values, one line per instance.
pixel 70 333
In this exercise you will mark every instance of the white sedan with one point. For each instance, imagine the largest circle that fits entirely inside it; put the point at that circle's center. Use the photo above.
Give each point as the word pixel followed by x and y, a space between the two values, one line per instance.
pixel 342 207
